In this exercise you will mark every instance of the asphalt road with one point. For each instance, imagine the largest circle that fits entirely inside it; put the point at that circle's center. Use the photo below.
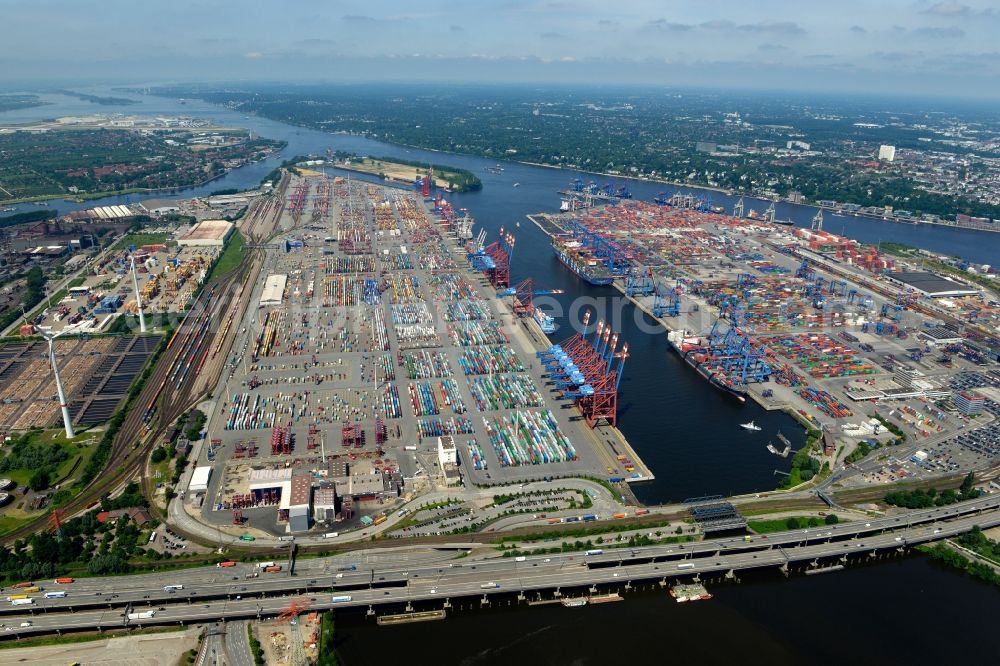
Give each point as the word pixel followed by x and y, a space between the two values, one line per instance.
pixel 526 576
pixel 237 646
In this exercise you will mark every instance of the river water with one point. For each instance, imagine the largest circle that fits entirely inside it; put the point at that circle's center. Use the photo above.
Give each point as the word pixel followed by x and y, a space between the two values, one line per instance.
pixel 904 611
pixel 907 611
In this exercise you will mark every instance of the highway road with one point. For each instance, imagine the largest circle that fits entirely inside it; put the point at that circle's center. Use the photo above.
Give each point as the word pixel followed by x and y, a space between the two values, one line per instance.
pixel 237 646
pixel 534 574
pixel 367 585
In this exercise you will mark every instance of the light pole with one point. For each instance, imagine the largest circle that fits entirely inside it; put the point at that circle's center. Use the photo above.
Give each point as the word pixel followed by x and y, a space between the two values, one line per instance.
pixel 67 422
pixel 138 297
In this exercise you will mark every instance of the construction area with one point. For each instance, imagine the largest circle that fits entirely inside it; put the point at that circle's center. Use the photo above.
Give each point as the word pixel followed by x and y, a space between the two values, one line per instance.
pixel 292 638
pixel 804 321
pixel 380 359
pixel 96 374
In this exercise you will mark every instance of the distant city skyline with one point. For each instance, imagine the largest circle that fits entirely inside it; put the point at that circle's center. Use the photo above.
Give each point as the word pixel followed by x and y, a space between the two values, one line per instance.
pixel 893 46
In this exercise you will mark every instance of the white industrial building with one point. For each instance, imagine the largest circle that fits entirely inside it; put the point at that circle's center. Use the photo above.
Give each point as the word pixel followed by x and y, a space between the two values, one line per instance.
pixel 325 505
pixel 199 479
pixel 447 452
pixel 274 290
pixel 269 479
pixel 207 233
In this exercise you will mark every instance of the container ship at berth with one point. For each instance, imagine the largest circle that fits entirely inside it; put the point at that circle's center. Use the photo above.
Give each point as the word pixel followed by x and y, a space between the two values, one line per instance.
pixel 586 266
pixel 699 357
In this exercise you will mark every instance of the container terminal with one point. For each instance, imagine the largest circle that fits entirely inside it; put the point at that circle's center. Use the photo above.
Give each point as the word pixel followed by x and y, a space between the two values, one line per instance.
pixel 386 354
pixel 843 338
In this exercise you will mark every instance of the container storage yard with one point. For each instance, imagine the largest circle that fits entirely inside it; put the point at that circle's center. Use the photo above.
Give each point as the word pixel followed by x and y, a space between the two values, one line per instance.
pixel 386 365
pixel 800 320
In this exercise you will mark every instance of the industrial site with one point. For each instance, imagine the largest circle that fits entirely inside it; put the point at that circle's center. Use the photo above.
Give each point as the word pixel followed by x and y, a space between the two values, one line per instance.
pixel 867 352
pixel 384 356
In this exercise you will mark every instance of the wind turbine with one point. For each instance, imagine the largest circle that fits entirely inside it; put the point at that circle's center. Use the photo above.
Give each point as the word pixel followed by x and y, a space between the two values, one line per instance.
pixel 138 297
pixel 67 422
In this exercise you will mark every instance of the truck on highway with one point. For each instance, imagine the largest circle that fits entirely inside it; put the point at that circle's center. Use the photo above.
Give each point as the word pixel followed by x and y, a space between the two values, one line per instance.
pixel 172 588
pixel 331 535
pixel 144 615
pixel 55 595
pixel 686 565
pixel 32 589
pixel 272 569
pixel 589 517
pixel 226 564
pixel 18 586
pixel 595 551
pixel 489 586
pixel 22 602
pixel 247 537
pixel 349 567
pixel 342 599
pixel 286 538
pixel 63 581
pixel 409 447
pixel 264 565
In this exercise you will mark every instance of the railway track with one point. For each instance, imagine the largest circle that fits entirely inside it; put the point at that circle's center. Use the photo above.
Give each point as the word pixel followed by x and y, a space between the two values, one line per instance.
pixel 170 389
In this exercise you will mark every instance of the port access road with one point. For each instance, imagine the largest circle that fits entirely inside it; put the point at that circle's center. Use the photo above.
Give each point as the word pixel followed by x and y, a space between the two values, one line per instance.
pixel 368 586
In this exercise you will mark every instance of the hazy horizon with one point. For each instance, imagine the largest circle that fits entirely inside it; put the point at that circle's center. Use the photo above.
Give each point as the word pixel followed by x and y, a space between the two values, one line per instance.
pixel 896 47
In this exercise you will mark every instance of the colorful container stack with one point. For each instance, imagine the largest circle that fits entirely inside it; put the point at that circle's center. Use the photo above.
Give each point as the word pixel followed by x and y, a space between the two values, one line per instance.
pixel 489 359
pixel 528 438
pixel 497 392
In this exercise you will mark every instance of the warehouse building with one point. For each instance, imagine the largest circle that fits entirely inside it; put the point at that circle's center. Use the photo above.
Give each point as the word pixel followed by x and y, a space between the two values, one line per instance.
pixel 263 480
pixel 930 285
pixel 199 479
pixel 274 290
pixel 360 486
pixel 207 233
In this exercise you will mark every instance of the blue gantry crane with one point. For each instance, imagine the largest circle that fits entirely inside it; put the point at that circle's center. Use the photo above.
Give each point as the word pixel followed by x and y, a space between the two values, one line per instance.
pixel 639 281
pixel 667 301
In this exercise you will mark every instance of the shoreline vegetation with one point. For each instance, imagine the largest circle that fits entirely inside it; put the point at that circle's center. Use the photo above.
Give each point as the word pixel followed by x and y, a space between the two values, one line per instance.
pixel 396 169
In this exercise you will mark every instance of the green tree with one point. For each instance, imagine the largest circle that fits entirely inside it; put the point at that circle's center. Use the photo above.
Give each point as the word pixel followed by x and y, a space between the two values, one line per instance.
pixel 39 480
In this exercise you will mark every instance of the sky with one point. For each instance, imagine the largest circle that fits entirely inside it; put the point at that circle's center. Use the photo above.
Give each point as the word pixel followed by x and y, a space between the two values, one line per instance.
pixel 893 46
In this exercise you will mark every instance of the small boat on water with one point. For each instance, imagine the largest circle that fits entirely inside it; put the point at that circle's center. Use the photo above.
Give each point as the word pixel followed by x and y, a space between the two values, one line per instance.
pixel 575 602
pixel 750 426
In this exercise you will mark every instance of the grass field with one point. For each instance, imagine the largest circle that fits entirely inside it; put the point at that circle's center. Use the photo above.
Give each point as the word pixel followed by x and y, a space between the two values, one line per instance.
pixel 230 257
pixel 139 240
pixel 782 524
pixel 78 452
